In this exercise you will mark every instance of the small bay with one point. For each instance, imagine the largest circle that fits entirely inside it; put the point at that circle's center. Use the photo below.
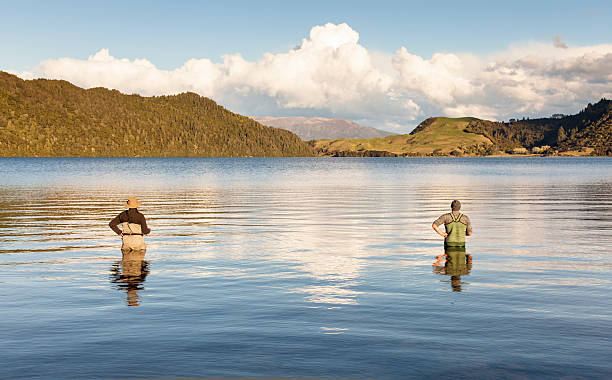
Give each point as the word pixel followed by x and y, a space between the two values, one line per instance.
pixel 305 267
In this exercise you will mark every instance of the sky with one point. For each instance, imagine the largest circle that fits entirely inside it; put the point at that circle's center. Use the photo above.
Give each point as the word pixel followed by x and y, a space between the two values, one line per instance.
pixel 386 64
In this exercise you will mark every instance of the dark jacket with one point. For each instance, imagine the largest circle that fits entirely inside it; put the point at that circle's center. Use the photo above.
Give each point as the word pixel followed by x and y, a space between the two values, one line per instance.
pixel 131 215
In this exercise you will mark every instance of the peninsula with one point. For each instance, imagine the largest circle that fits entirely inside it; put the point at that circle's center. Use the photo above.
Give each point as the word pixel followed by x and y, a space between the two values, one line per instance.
pixel 588 133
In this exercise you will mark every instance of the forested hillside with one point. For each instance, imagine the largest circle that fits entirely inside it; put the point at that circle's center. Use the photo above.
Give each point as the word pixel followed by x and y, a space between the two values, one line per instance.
pixel 590 129
pixel 55 118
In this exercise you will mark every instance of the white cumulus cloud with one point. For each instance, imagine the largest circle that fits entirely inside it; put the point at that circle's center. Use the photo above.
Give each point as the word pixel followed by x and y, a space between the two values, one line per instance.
pixel 540 79
pixel 331 74
pixel 442 79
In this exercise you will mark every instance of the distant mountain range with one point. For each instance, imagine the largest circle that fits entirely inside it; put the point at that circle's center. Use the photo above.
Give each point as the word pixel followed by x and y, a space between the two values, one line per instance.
pixel 587 133
pixel 56 118
pixel 316 128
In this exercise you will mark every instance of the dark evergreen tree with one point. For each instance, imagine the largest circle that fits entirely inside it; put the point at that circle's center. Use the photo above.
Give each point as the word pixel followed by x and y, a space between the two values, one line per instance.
pixel 561 135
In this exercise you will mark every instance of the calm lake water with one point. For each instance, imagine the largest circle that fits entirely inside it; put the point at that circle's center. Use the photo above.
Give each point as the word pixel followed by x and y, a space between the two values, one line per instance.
pixel 306 267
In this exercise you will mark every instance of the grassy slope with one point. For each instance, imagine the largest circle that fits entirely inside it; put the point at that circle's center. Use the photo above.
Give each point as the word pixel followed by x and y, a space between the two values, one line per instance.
pixel 440 134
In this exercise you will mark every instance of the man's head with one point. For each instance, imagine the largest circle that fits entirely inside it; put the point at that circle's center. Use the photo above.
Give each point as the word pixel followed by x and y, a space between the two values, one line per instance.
pixel 455 205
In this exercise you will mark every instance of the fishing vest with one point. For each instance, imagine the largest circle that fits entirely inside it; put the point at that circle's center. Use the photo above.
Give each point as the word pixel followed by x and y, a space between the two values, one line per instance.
pixel 132 236
pixel 456 232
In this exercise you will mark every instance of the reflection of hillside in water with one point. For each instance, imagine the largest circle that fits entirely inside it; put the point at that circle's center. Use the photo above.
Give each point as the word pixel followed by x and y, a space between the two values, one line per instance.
pixel 327 234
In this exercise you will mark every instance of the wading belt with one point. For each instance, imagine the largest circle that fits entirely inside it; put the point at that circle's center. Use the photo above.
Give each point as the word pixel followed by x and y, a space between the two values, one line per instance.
pixel 129 230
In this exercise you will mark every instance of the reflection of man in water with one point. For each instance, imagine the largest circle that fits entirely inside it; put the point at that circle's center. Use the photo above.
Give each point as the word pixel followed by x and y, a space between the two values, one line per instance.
pixel 133 226
pixel 457 263
pixel 457 226
pixel 130 273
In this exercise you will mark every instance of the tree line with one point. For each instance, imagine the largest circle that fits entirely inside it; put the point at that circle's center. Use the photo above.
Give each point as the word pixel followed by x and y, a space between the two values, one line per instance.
pixel 590 128
pixel 55 118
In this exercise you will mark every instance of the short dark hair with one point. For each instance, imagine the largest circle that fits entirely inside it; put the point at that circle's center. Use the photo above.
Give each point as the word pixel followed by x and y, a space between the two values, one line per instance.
pixel 455 205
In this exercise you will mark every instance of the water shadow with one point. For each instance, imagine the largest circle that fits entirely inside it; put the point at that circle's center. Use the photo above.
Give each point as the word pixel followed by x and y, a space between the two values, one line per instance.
pixel 455 262
pixel 129 274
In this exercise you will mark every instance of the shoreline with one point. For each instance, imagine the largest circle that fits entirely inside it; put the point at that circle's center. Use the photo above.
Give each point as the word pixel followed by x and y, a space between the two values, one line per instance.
pixel 337 156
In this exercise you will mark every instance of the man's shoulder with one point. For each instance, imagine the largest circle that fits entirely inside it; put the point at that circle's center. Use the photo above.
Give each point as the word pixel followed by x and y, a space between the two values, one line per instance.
pixel 444 218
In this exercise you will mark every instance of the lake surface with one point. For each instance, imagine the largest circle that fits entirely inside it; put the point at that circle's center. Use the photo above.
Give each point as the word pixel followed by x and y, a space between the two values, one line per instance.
pixel 306 267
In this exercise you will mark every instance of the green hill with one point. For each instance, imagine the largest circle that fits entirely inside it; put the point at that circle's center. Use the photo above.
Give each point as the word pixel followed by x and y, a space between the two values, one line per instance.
pixel 434 136
pixel 55 118
pixel 587 132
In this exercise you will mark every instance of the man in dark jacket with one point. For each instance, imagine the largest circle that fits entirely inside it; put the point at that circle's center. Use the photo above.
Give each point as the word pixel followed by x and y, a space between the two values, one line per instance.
pixel 133 226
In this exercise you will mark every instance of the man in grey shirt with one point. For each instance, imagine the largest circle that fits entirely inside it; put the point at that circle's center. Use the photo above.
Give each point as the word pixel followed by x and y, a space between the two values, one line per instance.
pixel 457 226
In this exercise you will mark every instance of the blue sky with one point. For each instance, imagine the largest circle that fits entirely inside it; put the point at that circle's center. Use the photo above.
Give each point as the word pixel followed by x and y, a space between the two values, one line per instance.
pixel 168 34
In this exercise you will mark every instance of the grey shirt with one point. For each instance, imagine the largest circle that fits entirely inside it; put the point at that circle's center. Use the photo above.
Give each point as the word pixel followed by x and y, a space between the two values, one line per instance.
pixel 446 218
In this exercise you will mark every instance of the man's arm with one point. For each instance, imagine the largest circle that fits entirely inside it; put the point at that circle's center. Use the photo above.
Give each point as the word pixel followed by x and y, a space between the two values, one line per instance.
pixel 143 225
pixel 114 223
pixel 437 222
pixel 468 231
pixel 437 229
